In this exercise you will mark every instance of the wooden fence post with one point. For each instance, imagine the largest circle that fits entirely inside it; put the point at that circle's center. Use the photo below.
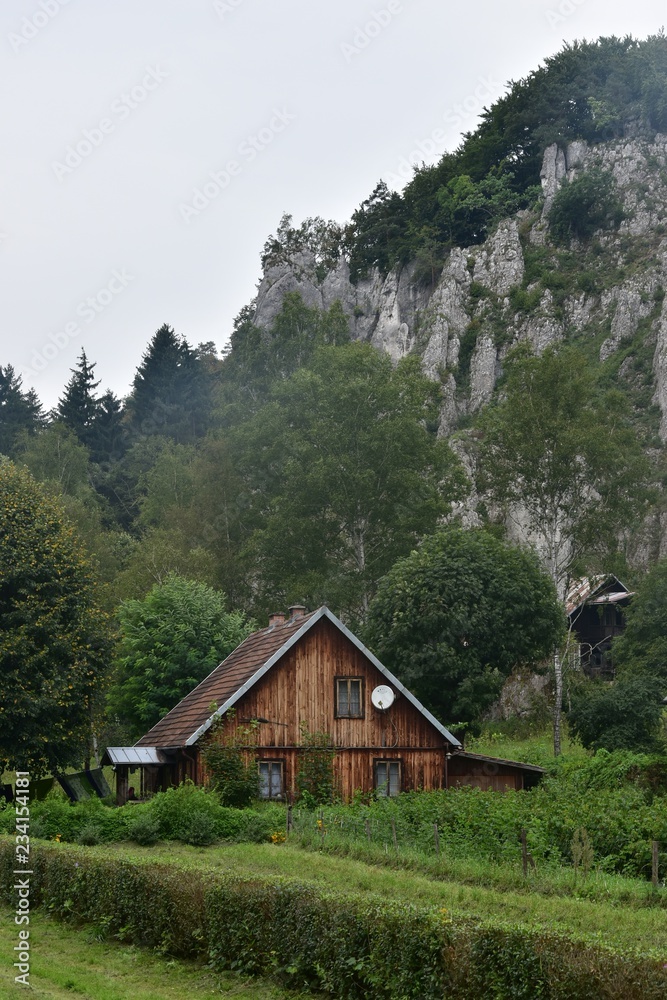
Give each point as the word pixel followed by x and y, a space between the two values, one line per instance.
pixel 288 826
pixel 393 834
pixel 436 836
pixel 654 863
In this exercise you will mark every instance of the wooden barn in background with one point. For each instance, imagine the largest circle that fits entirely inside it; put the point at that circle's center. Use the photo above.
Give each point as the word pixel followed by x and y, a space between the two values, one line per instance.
pixel 310 670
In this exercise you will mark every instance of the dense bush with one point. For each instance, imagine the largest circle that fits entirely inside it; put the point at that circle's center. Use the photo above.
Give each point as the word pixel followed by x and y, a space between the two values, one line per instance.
pixel 583 206
pixel 190 814
pixel 626 714
pixel 345 945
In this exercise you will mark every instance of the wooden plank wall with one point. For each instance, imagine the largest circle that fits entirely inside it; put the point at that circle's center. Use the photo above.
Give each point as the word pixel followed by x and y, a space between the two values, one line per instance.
pixel 301 689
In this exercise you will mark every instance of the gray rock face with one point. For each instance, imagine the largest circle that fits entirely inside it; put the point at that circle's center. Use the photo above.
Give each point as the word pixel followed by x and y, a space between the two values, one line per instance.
pixel 399 315
pixel 630 304
pixel 660 370
pixel 499 263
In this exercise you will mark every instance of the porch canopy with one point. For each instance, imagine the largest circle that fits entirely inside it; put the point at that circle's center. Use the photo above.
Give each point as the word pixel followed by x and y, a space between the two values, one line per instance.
pixel 155 765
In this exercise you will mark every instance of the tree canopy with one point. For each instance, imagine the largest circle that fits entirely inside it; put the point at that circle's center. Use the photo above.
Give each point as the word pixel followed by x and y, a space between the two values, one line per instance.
pixel 169 641
pixel 625 715
pixel 54 641
pixel 562 458
pixel 595 91
pixel 346 475
pixel 456 616
pixel 20 411
pixel 642 647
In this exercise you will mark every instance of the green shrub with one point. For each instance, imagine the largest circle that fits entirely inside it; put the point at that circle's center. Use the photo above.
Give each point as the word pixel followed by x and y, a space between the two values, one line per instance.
pixel 90 835
pixel 233 769
pixel 350 946
pixel 583 206
pixel 145 830
pixel 198 830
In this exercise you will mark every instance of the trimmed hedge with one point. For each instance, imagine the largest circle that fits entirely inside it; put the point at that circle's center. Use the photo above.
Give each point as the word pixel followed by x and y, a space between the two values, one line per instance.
pixel 348 946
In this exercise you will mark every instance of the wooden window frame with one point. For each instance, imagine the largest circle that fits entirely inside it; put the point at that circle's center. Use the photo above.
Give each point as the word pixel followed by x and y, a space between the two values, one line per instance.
pixel 273 760
pixel 362 694
pixel 401 772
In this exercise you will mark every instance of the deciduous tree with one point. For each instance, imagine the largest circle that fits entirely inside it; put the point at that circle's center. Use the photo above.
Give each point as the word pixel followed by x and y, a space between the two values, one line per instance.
pixel 562 460
pixel 345 475
pixel 54 641
pixel 456 616
pixel 169 642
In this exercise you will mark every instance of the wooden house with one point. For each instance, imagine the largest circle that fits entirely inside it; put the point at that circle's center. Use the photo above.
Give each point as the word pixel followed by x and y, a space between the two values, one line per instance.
pixel 595 607
pixel 310 670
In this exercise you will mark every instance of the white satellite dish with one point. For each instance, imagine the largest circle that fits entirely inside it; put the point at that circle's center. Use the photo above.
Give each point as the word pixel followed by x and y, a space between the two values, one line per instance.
pixel 383 697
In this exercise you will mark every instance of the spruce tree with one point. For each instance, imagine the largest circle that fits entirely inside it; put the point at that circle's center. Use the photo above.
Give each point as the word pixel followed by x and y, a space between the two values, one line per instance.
pixel 78 408
pixel 107 440
pixel 170 391
pixel 19 411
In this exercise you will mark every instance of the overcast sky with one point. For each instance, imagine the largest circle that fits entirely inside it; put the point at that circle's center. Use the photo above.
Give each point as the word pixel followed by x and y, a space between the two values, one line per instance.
pixel 151 146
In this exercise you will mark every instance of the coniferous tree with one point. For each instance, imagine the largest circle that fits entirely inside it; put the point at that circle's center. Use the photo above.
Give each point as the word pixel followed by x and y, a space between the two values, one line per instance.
pixel 170 391
pixel 20 411
pixel 107 442
pixel 78 407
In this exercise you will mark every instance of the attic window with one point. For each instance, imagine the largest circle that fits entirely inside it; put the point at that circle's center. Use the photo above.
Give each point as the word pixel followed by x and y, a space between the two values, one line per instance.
pixel 349 698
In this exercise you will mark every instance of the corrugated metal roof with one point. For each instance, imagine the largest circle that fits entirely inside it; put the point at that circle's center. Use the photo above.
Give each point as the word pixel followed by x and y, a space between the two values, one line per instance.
pixel 246 665
pixel 135 756
pixel 582 590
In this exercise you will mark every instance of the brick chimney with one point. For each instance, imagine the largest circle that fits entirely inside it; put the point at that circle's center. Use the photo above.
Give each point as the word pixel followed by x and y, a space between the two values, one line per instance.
pixel 296 611
pixel 276 618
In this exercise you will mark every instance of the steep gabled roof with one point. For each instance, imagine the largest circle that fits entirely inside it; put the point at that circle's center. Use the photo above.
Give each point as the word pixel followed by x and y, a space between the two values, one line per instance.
pixel 243 668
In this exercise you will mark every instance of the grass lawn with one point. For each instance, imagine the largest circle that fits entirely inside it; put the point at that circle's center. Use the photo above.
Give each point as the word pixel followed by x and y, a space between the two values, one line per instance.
pixel 70 962
pixel 619 925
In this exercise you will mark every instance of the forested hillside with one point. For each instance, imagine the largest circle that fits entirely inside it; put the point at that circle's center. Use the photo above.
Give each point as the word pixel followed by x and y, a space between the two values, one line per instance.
pixel 488 345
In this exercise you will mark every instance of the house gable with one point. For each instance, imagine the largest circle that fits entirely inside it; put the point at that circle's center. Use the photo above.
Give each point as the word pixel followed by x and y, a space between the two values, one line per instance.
pixel 301 689
pixel 232 681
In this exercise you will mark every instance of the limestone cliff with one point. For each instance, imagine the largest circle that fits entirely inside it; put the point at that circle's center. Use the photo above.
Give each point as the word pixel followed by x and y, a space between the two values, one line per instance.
pixel 517 286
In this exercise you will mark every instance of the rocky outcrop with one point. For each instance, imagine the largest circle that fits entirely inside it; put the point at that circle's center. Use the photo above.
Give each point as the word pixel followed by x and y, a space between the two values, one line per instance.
pixel 463 326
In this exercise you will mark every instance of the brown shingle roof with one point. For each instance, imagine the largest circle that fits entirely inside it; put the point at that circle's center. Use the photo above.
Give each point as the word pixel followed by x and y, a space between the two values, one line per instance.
pixel 179 725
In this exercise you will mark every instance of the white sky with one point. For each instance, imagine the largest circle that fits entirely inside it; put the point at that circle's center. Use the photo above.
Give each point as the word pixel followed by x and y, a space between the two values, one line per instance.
pixel 183 86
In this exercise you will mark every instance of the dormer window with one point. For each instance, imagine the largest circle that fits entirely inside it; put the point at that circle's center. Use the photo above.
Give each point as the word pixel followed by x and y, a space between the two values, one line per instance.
pixel 349 698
